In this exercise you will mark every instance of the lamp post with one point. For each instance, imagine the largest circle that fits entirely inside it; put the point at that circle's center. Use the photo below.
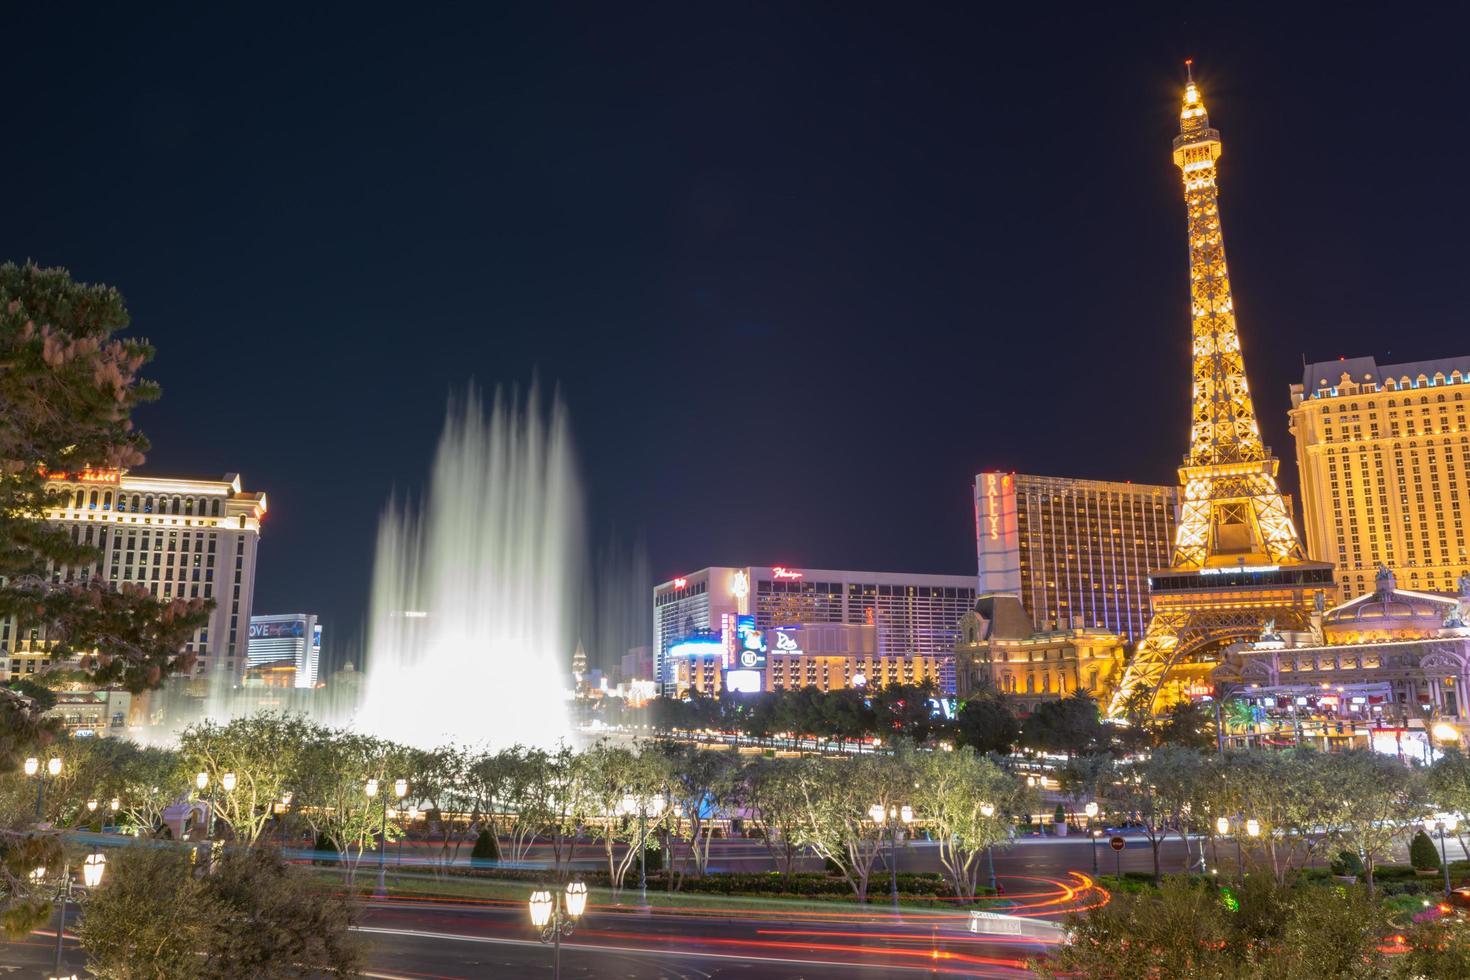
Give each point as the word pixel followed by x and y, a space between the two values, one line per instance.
pixel 1091 810
pixel 92 870
pixel 1444 824
pixel 644 808
pixel 987 810
pixel 890 819
pixel 400 790
pixel 556 915
pixel 33 768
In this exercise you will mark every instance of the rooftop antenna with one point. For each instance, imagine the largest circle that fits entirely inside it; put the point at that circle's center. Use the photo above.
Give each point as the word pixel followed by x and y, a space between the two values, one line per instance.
pixel 1189 68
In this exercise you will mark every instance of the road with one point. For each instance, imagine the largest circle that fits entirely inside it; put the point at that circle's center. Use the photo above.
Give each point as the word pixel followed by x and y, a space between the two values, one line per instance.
pixel 424 939
pixel 454 939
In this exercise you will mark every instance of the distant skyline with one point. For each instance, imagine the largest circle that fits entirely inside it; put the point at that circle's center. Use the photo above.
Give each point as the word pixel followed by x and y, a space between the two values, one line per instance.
pixel 799 271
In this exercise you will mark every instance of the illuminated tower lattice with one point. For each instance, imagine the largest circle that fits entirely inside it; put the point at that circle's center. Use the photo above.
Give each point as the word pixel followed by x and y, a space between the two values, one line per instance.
pixel 1237 560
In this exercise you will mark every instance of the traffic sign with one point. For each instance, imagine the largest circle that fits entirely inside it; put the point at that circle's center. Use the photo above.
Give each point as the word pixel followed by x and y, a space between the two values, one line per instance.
pixel 1117 843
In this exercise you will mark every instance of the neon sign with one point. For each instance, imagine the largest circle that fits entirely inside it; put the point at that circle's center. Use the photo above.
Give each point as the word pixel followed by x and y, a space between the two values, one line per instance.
pixel 85 476
pixel 782 572
pixel 679 583
pixel 992 494
pixel 740 585
pixel 786 643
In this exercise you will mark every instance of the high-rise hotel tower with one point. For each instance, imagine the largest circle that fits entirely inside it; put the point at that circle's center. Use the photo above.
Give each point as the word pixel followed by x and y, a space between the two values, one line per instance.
pixel 1076 552
pixel 182 539
pixel 1383 451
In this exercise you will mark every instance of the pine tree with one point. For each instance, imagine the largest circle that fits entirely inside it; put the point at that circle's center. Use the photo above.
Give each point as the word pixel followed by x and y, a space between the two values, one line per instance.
pixel 68 387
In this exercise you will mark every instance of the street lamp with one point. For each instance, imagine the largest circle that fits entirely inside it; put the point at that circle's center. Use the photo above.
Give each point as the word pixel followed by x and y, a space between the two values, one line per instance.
pixel 556 915
pixel 92 870
pixel 1223 827
pixel 400 790
pixel 895 816
pixel 987 810
pixel 1091 810
pixel 33 768
pixel 1444 824
pixel 654 806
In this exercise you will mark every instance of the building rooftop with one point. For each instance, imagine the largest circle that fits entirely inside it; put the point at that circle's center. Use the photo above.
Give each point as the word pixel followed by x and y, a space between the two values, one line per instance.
pixel 1367 370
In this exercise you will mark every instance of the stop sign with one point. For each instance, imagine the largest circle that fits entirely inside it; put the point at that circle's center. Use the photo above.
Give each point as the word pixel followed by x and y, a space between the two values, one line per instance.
pixel 1117 843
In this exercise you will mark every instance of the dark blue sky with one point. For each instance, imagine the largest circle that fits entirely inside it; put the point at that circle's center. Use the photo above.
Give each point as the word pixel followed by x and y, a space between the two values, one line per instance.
pixel 800 270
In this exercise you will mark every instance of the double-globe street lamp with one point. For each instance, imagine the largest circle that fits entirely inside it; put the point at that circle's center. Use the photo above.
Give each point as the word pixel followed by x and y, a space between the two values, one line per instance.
pixel 33 768
pixel 1223 826
pixel 556 915
pixel 891 819
pixel 227 782
pixel 644 808
pixel 92 869
pixel 400 790
pixel 1443 824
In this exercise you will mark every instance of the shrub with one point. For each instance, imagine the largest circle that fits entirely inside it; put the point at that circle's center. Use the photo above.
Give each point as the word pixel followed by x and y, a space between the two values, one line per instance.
pixel 1058 816
pixel 1422 853
pixel 487 847
pixel 1347 864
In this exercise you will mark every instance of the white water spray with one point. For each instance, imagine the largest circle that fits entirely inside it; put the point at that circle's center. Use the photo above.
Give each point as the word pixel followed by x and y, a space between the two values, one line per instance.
pixel 470 633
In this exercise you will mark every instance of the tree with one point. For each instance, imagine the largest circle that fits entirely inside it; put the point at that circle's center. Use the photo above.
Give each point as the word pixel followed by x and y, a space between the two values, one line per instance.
pixel 1291 795
pixel 772 795
pixel 836 795
pixel 617 782
pixel 1447 784
pixel 697 782
pixel 987 724
pixel 1158 795
pixel 439 780
pixel 67 391
pixel 904 711
pixel 1085 777
pixel 330 791
pixel 145 784
pixel 153 918
pixel 262 752
pixel 1189 725
pixel 952 791
pixel 1377 792
pixel 1069 725
pixel 1186 929
pixel 1423 855
pixel 1174 934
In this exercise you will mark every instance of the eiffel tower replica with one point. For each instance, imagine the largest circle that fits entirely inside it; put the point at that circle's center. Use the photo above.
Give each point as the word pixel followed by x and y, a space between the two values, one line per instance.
pixel 1238 566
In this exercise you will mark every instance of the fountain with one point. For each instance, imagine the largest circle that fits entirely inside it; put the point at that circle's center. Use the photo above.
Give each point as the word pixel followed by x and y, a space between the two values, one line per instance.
pixel 471 618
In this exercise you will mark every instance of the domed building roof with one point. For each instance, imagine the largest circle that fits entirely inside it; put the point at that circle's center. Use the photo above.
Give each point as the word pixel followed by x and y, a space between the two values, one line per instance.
pixel 1388 612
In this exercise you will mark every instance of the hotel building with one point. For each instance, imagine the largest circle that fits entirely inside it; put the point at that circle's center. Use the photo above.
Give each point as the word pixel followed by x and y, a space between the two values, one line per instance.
pixel 1383 453
pixel 190 539
pixel 910 615
pixel 1414 646
pixel 1076 552
pixel 827 656
pixel 294 638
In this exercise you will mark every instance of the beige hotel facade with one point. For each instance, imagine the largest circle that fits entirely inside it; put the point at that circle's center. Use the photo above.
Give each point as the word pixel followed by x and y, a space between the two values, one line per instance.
pixel 1383 452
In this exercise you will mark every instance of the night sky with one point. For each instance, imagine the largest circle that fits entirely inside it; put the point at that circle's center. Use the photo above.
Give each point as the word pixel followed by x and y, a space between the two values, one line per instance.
pixel 799 270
